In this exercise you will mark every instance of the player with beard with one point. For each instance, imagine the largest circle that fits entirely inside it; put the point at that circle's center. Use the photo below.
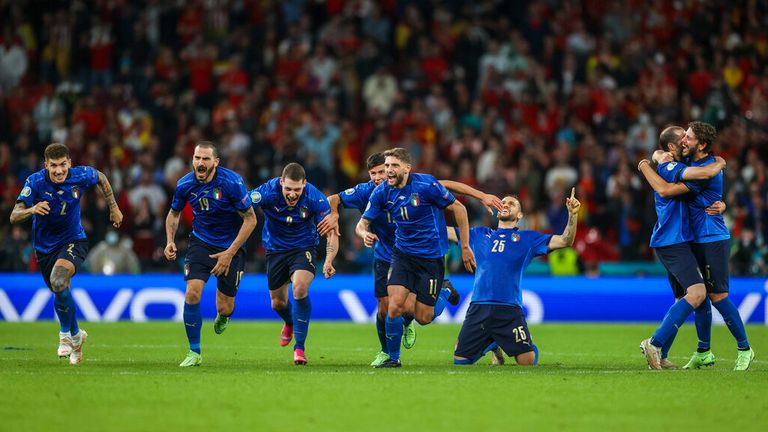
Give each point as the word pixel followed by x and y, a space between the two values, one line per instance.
pixel 51 197
pixel 710 242
pixel 495 320
pixel 671 240
pixel 222 221
pixel 415 203
pixel 384 228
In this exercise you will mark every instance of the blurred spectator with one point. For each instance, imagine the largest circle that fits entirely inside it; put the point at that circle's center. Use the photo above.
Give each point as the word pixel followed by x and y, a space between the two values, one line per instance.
pixel 112 256
pixel 13 61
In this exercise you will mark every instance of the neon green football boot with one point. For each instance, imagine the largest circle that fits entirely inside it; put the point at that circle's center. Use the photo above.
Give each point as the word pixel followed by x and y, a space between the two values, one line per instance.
pixel 381 357
pixel 192 359
pixel 700 359
pixel 409 335
pixel 220 324
pixel 744 359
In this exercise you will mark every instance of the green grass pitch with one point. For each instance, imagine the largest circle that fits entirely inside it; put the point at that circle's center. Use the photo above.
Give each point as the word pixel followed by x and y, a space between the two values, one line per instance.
pixel 590 377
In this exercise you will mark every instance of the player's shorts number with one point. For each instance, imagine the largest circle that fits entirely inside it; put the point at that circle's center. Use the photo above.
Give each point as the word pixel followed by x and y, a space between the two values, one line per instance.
pixel 239 277
pixel 433 287
pixel 519 333
pixel 308 254
pixel 498 246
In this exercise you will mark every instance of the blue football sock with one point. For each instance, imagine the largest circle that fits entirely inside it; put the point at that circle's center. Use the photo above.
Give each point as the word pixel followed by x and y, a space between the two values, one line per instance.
pixel 394 336
pixel 465 361
pixel 62 303
pixel 675 317
pixel 193 321
pixel 381 331
pixel 490 348
pixel 733 320
pixel 286 313
pixel 536 354
pixel 442 302
pixel 407 319
pixel 668 345
pixel 703 317
pixel 301 323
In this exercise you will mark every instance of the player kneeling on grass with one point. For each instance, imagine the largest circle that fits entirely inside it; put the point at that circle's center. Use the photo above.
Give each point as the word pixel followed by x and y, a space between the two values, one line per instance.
pixel 495 320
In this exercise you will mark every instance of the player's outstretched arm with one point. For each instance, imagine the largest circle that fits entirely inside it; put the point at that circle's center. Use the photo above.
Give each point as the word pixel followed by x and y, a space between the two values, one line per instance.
pixel 224 258
pixel 658 184
pixel 460 216
pixel 331 221
pixel 171 225
pixel 569 233
pixel 20 212
pixel 362 229
pixel 331 249
pixel 115 215
pixel 705 172
pixel 489 201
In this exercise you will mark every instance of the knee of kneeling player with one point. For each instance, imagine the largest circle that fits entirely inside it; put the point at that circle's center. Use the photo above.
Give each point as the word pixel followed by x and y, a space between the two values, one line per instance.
pixel 526 359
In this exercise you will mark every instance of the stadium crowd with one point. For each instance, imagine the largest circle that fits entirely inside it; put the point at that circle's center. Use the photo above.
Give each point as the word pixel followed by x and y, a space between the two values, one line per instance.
pixel 530 97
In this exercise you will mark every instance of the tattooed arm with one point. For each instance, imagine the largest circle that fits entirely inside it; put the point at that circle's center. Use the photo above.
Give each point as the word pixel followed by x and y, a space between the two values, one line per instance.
pixel 115 215
pixel 569 233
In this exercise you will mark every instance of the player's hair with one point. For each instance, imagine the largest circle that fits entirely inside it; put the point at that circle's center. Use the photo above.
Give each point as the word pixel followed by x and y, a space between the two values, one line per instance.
pixel 669 135
pixel 375 160
pixel 56 151
pixel 209 145
pixel 400 153
pixel 294 171
pixel 705 134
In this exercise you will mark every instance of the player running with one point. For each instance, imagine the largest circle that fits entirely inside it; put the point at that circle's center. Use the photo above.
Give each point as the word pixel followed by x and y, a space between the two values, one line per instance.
pixel 292 209
pixel 222 221
pixel 51 197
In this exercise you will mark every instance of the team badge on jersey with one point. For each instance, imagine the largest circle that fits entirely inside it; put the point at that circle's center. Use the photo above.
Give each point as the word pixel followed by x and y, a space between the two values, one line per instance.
pixel 415 200
pixel 303 213
pixel 256 196
pixel 76 192
pixel 349 191
pixel 27 191
pixel 515 237
pixel 216 193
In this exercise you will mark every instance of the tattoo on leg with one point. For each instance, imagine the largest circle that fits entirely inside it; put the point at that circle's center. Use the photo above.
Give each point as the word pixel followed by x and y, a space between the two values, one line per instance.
pixel 59 278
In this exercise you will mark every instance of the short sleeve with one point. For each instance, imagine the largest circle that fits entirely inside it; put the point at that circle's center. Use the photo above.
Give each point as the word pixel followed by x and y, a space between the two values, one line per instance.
pixel 540 243
pixel 89 176
pixel 438 194
pixel 258 195
pixel 27 194
pixel 356 197
pixel 320 206
pixel 179 198
pixel 241 199
pixel 671 172
pixel 374 208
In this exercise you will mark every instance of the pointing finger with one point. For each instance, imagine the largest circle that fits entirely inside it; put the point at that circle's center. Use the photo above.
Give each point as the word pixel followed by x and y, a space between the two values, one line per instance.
pixel 573 191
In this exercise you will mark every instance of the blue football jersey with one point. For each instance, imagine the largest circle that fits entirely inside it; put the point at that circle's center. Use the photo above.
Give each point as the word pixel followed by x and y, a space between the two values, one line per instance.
pixel 417 210
pixel 287 228
pixel 502 256
pixel 216 205
pixel 673 225
pixel 706 228
pixel 62 224
pixel 384 227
